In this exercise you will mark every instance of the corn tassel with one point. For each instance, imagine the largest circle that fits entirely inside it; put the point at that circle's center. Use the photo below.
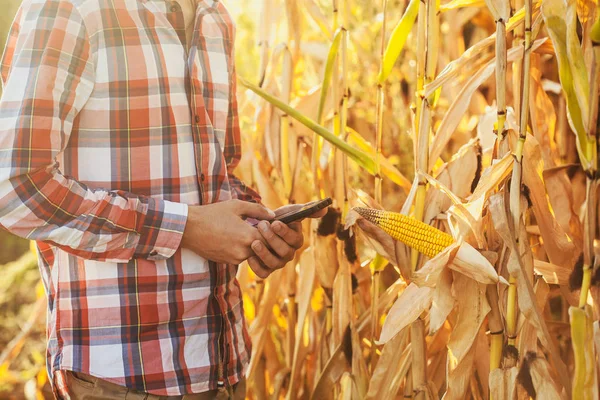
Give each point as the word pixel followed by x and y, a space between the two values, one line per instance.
pixel 418 235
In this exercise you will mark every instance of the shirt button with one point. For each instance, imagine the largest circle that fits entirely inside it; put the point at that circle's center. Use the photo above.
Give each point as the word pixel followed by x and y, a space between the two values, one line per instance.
pixel 197 119
pixel 202 177
pixel 174 7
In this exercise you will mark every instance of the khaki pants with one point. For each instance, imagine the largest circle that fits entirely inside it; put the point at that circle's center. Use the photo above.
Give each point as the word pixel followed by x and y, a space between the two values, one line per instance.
pixel 86 387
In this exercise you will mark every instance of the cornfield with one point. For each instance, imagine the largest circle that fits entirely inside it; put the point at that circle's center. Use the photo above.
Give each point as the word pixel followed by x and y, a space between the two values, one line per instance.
pixel 459 141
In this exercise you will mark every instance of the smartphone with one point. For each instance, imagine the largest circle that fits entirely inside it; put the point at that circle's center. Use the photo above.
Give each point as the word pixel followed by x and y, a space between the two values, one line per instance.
pixel 307 210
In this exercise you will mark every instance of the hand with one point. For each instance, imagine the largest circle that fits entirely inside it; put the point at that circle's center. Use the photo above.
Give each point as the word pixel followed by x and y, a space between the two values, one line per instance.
pixel 282 242
pixel 219 233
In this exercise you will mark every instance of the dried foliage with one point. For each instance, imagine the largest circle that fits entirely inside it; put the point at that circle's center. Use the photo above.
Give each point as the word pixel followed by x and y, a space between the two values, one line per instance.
pixel 479 118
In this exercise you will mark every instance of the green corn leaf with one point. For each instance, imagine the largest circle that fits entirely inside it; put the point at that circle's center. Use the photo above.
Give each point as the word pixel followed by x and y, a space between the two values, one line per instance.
pixel 333 50
pixel 554 13
pixel 361 158
pixel 397 40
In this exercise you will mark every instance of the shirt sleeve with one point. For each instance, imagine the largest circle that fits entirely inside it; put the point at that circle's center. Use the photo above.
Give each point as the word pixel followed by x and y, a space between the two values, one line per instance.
pixel 48 75
pixel 233 145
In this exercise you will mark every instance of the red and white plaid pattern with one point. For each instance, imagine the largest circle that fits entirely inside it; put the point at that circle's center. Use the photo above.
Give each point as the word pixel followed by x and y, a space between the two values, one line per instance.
pixel 109 128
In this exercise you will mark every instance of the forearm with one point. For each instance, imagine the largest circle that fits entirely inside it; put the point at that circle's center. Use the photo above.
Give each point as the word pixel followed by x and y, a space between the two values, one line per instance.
pixel 44 205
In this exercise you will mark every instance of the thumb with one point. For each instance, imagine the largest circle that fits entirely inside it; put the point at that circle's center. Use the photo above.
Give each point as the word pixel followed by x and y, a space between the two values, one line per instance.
pixel 254 210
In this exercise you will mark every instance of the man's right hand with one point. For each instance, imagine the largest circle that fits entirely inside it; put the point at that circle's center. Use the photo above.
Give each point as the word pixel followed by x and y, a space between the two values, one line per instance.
pixel 219 233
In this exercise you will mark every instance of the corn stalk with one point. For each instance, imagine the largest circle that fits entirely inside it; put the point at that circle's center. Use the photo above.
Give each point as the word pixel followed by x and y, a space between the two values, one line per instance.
pixel 501 13
pixel 515 184
pixel 422 118
pixel 378 263
pixel 427 48
pixel 517 68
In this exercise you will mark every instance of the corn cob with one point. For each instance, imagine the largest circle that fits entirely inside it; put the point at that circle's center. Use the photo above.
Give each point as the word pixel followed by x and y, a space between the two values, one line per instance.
pixel 422 237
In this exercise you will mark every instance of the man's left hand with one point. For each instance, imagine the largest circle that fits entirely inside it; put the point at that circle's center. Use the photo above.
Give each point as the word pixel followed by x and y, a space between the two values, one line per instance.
pixel 283 242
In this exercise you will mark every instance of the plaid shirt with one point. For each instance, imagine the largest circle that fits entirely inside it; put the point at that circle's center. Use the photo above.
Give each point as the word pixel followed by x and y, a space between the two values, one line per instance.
pixel 109 128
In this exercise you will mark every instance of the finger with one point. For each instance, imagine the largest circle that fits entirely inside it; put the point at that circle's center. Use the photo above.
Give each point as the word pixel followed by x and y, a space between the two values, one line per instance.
pixel 276 243
pixel 269 259
pixel 292 234
pixel 254 210
pixel 260 271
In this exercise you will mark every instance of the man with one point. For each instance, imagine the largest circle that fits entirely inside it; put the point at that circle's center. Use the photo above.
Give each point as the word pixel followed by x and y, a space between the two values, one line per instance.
pixel 118 138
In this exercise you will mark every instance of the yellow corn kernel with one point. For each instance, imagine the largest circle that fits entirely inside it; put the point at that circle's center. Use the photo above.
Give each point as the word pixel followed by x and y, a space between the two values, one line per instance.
pixel 422 237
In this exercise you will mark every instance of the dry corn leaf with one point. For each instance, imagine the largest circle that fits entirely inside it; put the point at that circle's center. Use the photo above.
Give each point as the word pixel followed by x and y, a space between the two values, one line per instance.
pixel 264 36
pixel 528 332
pixel 463 223
pixel 407 308
pixel 391 367
pixel 541 379
pixel 347 387
pixel 360 372
pixel 491 177
pixel 338 363
pixel 429 274
pixel 309 105
pixel 560 248
pixel 458 376
pixel 385 301
pixel 474 265
pixel 552 273
pixel 560 194
pixel 270 196
pixel 294 25
pixel 342 302
pixel 543 115
pixel 503 383
pixel 472 307
pixel 306 280
pixel 314 11
pixel 442 304
pixel 525 292
pixel 457 175
pixel 457 109
pixel 326 259
pixel 461 64
pixel 259 326
pixel 585 8
pixel 500 9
